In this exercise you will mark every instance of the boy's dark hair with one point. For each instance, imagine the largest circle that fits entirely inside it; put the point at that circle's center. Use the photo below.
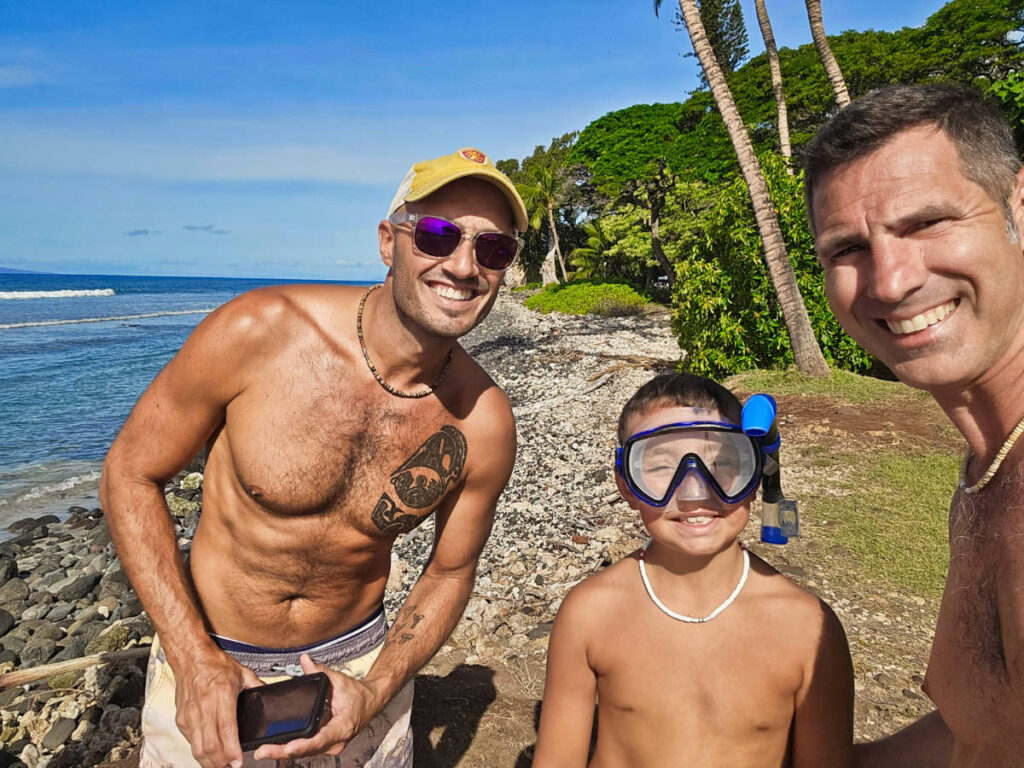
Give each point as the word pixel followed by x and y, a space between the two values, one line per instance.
pixel 679 389
pixel 980 133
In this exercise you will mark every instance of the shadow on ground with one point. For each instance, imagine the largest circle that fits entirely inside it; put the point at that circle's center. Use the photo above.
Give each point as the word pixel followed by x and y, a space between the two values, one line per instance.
pixel 447 711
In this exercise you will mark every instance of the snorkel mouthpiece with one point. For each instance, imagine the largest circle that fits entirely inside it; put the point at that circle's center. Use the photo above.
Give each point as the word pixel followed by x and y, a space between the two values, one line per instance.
pixel 759 420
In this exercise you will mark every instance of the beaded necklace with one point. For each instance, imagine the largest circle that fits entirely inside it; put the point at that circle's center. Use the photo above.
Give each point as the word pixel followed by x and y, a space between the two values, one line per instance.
pixel 380 379
pixel 692 619
pixel 994 466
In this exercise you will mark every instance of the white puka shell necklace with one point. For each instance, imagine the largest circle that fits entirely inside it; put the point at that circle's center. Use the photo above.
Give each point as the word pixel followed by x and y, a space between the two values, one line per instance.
pixel 693 619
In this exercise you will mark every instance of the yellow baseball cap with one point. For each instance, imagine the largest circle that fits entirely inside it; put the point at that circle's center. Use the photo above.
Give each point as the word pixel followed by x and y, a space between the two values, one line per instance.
pixel 428 176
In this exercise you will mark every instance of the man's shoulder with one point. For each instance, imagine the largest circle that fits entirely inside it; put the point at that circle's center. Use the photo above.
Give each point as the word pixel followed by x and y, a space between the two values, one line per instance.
pixel 273 310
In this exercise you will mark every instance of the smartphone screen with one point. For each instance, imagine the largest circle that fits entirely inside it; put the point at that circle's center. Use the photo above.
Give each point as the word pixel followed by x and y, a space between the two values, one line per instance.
pixel 280 712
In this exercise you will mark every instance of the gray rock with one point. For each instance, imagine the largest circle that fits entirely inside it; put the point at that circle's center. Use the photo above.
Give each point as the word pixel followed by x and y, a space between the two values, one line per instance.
pixel 48 631
pixel 15 608
pixel 13 642
pixel 59 733
pixel 8 569
pixel 35 612
pixel 74 647
pixel 115 584
pixel 37 651
pixel 22 525
pixel 58 611
pixel 6 655
pixel 15 589
pixel 79 588
pixel 6 622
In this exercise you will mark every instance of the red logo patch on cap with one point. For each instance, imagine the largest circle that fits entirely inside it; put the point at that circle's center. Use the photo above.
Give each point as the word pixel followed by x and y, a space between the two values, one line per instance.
pixel 473 155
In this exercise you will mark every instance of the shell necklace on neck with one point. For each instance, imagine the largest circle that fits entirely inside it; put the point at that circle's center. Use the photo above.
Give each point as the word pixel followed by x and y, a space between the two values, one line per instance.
pixel 373 369
pixel 994 466
pixel 693 619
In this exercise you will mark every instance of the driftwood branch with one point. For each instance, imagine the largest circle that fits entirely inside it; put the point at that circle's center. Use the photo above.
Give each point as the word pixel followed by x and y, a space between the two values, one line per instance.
pixel 31 675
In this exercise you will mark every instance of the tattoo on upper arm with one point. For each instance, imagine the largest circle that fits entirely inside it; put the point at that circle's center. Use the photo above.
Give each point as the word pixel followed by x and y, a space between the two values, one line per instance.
pixel 422 480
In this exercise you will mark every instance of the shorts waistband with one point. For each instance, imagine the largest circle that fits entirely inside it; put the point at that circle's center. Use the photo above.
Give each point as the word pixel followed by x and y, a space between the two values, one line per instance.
pixel 350 644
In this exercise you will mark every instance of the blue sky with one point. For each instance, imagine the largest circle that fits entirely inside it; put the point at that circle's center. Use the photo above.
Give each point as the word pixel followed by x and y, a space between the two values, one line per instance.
pixel 265 139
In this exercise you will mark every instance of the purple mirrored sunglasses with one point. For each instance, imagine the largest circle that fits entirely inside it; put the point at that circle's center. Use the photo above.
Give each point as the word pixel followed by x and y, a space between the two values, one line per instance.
pixel 437 237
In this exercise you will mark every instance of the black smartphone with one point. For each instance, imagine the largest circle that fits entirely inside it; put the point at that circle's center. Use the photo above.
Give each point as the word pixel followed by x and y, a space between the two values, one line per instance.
pixel 279 712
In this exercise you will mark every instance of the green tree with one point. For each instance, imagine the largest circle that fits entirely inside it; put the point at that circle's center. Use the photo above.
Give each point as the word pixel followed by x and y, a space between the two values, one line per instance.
pixel 806 352
pixel 542 194
pixel 725 310
pixel 723 24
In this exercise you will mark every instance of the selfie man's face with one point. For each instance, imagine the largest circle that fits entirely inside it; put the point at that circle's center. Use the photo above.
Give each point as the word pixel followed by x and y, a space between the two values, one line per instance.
pixel 447 297
pixel 919 266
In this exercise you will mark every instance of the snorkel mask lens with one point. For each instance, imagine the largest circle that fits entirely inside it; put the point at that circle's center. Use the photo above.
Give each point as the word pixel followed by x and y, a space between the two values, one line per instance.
pixel 658 464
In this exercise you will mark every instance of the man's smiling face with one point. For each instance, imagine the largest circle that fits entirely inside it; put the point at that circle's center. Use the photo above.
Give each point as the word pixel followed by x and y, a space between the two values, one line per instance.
pixel 920 265
pixel 447 297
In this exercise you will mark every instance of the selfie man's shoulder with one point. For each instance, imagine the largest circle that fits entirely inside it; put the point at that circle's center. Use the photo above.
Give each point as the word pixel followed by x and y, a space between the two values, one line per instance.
pixel 267 314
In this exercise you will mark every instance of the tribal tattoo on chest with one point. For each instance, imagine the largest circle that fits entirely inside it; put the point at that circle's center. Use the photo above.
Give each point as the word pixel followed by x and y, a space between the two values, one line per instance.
pixel 422 480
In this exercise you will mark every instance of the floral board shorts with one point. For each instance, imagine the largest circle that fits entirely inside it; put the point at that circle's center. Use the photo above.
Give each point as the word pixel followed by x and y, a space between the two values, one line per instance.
pixel 385 743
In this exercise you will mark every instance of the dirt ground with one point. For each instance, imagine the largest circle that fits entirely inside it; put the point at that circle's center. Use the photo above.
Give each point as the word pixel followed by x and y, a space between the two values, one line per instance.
pixel 483 711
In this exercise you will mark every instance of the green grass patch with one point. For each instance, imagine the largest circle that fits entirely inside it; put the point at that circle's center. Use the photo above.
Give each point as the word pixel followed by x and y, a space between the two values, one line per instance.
pixel 841 385
pixel 525 287
pixel 589 297
pixel 894 523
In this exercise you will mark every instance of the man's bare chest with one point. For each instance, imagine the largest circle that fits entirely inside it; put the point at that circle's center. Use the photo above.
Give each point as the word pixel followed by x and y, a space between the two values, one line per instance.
pixel 968 675
pixel 379 469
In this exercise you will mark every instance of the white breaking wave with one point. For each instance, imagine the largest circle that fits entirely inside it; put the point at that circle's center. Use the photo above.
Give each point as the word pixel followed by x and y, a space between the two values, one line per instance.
pixel 68 294
pixel 45 490
pixel 5 326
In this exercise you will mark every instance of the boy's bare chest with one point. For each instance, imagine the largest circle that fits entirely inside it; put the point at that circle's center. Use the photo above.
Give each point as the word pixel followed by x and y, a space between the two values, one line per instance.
pixel 379 468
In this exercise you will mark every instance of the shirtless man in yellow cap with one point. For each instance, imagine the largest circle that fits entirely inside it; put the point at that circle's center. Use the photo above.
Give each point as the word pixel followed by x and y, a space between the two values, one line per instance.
pixel 334 418
pixel 916 195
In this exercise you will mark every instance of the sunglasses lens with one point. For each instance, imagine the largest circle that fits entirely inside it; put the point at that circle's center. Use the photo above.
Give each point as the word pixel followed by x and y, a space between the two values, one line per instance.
pixel 495 250
pixel 437 237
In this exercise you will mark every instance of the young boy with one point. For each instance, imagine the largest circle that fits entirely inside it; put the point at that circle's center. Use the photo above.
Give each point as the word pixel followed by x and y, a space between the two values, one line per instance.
pixel 700 654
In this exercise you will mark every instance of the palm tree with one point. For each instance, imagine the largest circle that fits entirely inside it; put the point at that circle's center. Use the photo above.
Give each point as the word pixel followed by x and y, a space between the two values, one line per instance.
pixel 828 60
pixel 592 259
pixel 806 352
pixel 542 195
pixel 776 70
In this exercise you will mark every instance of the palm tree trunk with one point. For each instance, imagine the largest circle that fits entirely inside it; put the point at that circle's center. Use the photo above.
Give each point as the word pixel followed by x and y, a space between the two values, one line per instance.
pixel 828 60
pixel 554 240
pixel 806 352
pixel 776 70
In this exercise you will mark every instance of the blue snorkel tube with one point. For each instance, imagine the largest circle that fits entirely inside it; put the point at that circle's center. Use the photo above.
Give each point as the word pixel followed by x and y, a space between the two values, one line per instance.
pixel 779 519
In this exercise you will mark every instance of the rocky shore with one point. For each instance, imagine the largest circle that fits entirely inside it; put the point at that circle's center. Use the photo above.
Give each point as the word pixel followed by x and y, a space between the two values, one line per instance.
pixel 63 594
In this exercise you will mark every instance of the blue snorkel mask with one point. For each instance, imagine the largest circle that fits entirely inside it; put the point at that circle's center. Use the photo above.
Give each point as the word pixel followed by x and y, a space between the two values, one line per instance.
pixel 656 464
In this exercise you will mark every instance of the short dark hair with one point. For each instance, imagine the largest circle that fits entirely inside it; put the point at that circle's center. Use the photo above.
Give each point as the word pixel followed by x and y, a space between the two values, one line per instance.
pixel 679 389
pixel 980 133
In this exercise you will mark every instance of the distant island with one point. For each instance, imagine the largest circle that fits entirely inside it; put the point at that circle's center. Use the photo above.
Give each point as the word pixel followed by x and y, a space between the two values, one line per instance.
pixel 8 271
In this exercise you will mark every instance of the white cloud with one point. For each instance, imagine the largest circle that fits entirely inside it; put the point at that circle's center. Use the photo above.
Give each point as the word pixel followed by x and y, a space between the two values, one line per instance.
pixel 20 76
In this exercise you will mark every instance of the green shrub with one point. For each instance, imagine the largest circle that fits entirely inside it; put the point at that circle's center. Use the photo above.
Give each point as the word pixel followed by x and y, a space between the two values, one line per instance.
pixel 525 287
pixel 726 314
pixel 588 297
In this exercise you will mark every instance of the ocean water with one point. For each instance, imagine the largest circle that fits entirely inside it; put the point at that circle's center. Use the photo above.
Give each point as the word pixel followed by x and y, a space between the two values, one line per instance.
pixel 76 351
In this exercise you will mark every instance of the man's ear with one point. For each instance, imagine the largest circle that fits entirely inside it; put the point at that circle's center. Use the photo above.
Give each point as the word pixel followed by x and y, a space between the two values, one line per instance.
pixel 627 495
pixel 1017 203
pixel 386 241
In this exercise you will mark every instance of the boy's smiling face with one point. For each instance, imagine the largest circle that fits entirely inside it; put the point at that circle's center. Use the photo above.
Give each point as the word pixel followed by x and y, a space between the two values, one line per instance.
pixel 695 520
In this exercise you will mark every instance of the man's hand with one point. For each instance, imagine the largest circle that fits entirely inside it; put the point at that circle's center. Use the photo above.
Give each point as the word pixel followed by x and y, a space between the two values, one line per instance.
pixel 351 709
pixel 206 696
